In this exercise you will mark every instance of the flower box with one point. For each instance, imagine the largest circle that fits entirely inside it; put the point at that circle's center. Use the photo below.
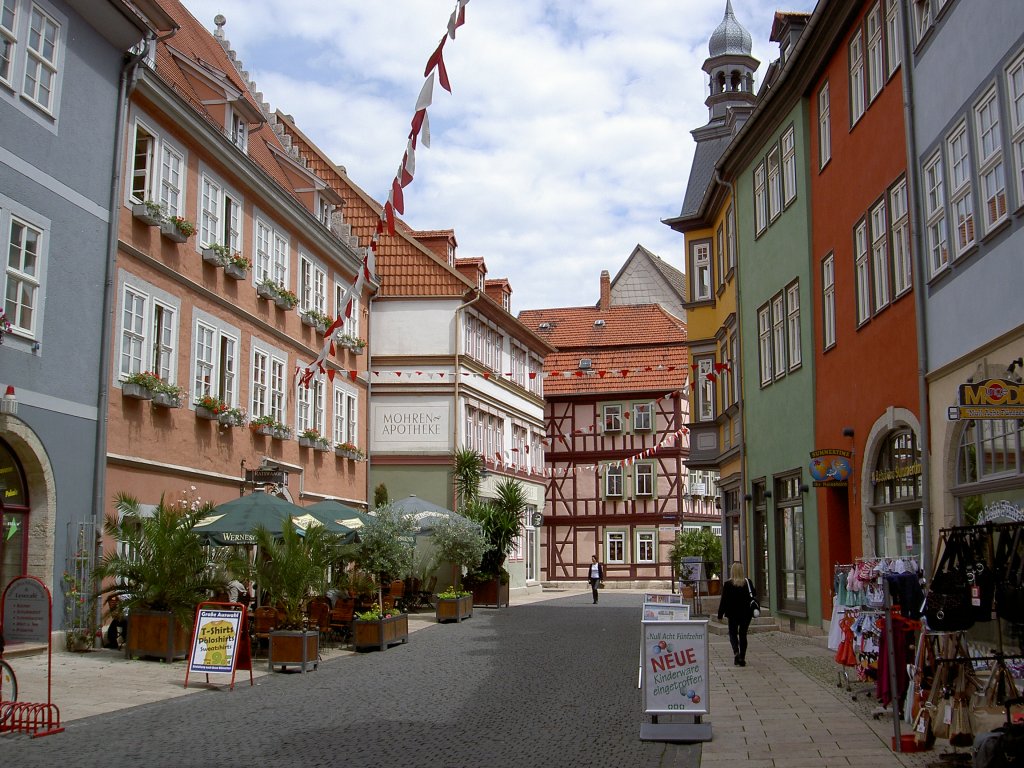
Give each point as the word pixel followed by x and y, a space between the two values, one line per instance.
pixel 357 350
pixel 380 633
pixel 293 648
pixel 227 419
pixel 266 292
pixel 235 272
pixel 284 302
pixel 156 634
pixel 206 413
pixel 136 391
pixel 213 256
pixel 491 592
pixel 282 433
pixel 314 322
pixel 308 442
pixel 172 233
pixel 453 608
pixel 148 214
pixel 166 400
pixel 346 453
pixel 267 430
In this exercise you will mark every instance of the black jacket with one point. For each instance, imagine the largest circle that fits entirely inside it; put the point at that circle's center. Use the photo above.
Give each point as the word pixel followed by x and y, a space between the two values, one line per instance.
pixel 600 572
pixel 735 601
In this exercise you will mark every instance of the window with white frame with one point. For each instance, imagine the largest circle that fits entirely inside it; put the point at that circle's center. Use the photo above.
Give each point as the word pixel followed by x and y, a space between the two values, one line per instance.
pixel 346 412
pixel 26 245
pixel 989 155
pixel 880 255
pixel 779 334
pixel 220 217
pixel 519 360
pixel 143 177
pixel 1015 91
pixel 172 175
pixel 149 333
pixel 960 201
pixel 720 254
pixel 789 165
pixel 876 53
pixel 325 210
pixel 483 342
pixel 701 253
pixel 824 127
pixel 614 547
pixel 267 393
pixel 760 200
pixel 862 271
pixel 774 184
pixel 309 407
pixel 857 100
pixel 351 323
pixel 935 214
pixel 730 238
pixel 536 451
pixel 42 52
pixel 893 34
pixel 533 375
pixel 922 18
pixel 312 285
pixel 645 546
pixel 612 417
pixel 239 130
pixel 215 361
pixel 734 367
pixel 793 325
pixel 157 170
pixel 613 480
pixel 264 254
pixel 279 262
pixel 519 437
pixel 899 238
pixel 643 417
pixel 828 301
pixel 764 345
pixel 705 389
pixel 8 39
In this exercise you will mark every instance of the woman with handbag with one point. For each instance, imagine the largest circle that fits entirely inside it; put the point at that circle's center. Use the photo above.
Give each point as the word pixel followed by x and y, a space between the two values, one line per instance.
pixel 738 603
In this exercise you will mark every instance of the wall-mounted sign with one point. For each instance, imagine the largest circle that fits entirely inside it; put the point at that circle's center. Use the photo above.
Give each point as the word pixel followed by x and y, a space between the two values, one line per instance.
pixel 264 476
pixel 830 467
pixel 407 426
pixel 901 472
pixel 989 399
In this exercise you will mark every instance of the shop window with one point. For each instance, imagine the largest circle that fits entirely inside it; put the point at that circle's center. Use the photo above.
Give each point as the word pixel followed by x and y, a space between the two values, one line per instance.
pixel 791 545
pixel 14 521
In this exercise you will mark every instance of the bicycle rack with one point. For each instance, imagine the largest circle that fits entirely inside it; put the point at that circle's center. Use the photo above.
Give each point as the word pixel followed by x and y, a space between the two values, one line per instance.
pixel 34 719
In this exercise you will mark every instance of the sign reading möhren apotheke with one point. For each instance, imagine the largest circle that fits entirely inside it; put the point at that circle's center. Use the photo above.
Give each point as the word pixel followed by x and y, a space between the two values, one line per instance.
pixel 419 424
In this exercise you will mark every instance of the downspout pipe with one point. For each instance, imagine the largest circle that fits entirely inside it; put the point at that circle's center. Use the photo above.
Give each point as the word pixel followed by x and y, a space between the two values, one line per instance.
pixel 918 282
pixel 458 376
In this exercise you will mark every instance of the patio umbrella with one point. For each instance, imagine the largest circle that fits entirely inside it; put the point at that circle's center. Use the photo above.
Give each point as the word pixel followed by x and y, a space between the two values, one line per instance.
pixel 236 521
pixel 331 512
pixel 426 513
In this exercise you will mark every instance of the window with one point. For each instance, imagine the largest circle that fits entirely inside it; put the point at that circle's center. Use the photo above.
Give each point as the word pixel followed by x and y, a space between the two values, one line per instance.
pixel 42 49
pixel 861 270
pixel 922 18
pixel 732 388
pixel 989 154
pixel 793 325
pixel 239 130
pixel 893 34
pixel 789 165
pixel 960 188
pixel 8 40
pixel 613 480
pixel 483 343
pixel 760 203
pixel 326 211
pixel 935 214
pixel 789 522
pixel 701 252
pixel 643 417
pixel 705 389
pixel 143 171
pixel 270 261
pixel 730 238
pixel 779 335
pixel 643 478
pixel 149 333
pixel 899 238
pixel 157 172
pixel 828 301
pixel 880 256
pixel 22 275
pixel 764 336
pixel 612 418
pixel 267 396
pixel 309 407
pixel 876 65
pixel 346 412
pixel 614 547
pixel 312 285
pixel 774 185
pixel 220 219
pixel 645 546
pixel 824 127
pixel 856 77
pixel 519 362
pixel 171 175
pixel 720 254
pixel 215 362
pixel 1015 91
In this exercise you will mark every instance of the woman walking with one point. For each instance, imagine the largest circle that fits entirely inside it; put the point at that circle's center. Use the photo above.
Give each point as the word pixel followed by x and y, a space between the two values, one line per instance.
pixel 736 603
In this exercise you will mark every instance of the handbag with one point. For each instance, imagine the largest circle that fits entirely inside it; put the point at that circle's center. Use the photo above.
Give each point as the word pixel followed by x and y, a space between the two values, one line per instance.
pixel 1009 592
pixel 755 607
pixel 947 606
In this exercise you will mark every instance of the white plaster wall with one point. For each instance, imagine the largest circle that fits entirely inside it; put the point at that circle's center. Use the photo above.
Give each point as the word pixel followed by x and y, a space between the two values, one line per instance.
pixel 414 327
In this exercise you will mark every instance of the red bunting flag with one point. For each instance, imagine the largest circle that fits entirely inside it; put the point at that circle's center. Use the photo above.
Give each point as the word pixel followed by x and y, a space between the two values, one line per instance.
pixel 436 60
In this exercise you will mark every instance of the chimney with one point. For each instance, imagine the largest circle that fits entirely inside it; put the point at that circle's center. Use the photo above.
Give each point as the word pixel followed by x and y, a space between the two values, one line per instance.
pixel 606 290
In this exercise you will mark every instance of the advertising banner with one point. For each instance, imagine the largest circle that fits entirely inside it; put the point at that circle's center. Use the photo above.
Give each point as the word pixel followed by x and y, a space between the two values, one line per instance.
pixel 675 667
pixel 216 639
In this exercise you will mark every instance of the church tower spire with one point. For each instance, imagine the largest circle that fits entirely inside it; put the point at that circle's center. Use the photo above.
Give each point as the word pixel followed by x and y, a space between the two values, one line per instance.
pixel 730 67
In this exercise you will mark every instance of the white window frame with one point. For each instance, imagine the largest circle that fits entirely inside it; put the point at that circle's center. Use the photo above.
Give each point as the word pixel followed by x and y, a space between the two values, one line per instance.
pixel 149 336
pixel 760 200
pixel 310 412
pixel 42 58
pixel 824 127
pixel 779 356
pixel 793 325
pixel 611 417
pixel 701 254
pixel 922 18
pixel 238 129
pixel 730 237
pixel 159 173
pixel 862 271
pixel 988 147
pixel 346 415
pixel 934 178
pixel 774 164
pixel 646 547
pixel 9 20
pixel 858 102
pixel 879 256
pixel 268 395
pixel 643 417
pixel 828 301
pixel 789 183
pixel 25 309
pixel 613 481
pixel 217 373
pixel 1015 93
pixel 615 547
pixel 705 389
pixel 720 255
pixel 899 238
pixel 764 335
pixel 350 324
pixel 893 36
pixel 312 284
pixel 876 52
pixel 961 200
pixel 220 213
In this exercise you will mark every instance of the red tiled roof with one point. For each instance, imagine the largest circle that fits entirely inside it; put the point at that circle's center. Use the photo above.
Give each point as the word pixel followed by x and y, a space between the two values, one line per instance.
pixel 620 326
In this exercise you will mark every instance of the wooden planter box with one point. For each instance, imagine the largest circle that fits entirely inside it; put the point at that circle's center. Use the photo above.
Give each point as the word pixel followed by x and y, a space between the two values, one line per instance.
pixel 380 634
pixel 491 593
pixel 453 608
pixel 296 648
pixel 156 634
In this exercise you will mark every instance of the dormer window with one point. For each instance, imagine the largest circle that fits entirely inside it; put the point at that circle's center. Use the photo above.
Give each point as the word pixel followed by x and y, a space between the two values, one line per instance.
pixel 326 210
pixel 451 254
pixel 505 302
pixel 239 131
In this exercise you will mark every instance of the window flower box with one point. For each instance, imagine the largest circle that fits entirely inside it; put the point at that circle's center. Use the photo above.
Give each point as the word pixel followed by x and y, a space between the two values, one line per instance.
pixel 149 212
pixel 282 432
pixel 166 400
pixel 267 430
pixel 205 413
pixel 285 299
pixel 353 343
pixel 210 408
pixel 267 290
pixel 237 265
pixel 177 229
pixel 349 451
pixel 268 426
pixel 136 391
pixel 380 633
pixel 311 438
pixel 231 417
pixel 315 319
pixel 216 254
pixel 235 272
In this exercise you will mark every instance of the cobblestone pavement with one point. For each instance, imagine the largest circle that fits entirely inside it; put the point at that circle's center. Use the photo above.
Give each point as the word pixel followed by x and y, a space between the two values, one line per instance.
pixel 550 683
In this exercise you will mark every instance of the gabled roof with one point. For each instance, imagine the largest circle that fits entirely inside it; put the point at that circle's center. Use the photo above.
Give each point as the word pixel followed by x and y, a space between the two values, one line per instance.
pixel 674 278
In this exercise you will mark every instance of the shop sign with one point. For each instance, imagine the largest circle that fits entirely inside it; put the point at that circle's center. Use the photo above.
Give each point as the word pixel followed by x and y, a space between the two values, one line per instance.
pixel 675 667
pixel 830 467
pixel 896 473
pixel 264 476
pixel 989 399
pixel 26 611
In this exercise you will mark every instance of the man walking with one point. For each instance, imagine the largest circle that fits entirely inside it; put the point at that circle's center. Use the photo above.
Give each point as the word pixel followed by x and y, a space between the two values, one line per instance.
pixel 596 576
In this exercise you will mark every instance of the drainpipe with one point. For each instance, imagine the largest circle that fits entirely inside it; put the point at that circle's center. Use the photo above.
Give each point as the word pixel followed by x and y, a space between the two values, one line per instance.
pixel 458 368
pixel 369 387
pixel 918 281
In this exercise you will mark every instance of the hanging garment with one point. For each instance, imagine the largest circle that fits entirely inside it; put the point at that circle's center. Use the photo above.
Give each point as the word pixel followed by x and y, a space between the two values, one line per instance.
pixel 845 654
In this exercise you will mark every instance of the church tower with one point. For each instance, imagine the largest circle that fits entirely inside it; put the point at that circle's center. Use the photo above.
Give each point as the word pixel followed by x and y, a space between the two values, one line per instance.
pixel 730 67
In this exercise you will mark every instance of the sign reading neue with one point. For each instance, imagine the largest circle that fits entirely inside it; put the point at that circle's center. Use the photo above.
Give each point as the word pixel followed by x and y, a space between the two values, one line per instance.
pixel 989 399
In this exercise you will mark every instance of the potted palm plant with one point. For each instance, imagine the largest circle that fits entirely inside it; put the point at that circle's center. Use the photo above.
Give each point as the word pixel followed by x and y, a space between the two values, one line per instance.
pixel 161 571
pixel 501 519
pixel 385 550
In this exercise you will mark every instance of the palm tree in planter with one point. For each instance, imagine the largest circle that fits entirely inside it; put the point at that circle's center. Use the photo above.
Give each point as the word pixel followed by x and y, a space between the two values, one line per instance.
pixel 501 519
pixel 161 571
pixel 461 543
pixel 385 550
pixel 292 568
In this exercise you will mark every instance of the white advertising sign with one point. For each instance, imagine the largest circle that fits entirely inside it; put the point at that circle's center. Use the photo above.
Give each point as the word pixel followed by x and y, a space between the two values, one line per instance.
pixel 404 426
pixel 217 635
pixel 675 667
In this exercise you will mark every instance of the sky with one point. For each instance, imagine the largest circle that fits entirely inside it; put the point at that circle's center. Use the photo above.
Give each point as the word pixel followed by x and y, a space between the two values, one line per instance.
pixel 564 143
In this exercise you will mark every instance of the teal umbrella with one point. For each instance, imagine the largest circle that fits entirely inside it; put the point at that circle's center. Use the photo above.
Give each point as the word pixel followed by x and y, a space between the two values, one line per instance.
pixel 425 513
pixel 236 521
pixel 334 513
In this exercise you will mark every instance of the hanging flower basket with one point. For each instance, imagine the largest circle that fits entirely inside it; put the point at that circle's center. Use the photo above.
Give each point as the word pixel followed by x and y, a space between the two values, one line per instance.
pixel 136 391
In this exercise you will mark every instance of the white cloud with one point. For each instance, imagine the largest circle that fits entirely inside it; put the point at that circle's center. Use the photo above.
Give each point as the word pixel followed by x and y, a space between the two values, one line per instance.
pixel 564 144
